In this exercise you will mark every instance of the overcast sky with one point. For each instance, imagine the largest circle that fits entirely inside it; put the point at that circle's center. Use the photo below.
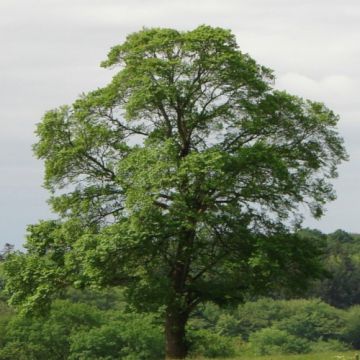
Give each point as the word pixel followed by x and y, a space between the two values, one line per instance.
pixel 51 50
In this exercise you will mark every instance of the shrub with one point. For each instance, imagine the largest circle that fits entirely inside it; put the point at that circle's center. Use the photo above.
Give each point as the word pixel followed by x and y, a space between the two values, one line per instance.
pixel 351 333
pixel 227 325
pixel 44 338
pixel 330 345
pixel 314 320
pixel 253 316
pixel 270 341
pixel 205 343
pixel 130 337
pixel 20 351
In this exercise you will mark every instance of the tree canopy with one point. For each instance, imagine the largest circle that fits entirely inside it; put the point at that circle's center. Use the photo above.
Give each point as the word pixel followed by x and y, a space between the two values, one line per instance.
pixel 182 180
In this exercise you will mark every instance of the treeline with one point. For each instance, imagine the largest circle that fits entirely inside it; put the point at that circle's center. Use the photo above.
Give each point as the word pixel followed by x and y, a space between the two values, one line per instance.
pixel 341 286
pixel 101 325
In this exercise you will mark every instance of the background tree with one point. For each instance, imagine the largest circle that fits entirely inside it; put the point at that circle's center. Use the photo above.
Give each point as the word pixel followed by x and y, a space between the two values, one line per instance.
pixel 180 180
pixel 341 288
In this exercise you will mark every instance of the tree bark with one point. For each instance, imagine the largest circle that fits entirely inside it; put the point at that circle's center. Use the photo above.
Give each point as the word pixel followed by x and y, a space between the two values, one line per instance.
pixel 175 322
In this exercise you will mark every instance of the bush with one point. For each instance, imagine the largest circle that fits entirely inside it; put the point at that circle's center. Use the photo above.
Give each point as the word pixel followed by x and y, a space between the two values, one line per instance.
pixel 15 350
pixel 44 338
pixel 205 343
pixel 330 345
pixel 314 320
pixel 227 325
pixel 80 331
pixel 270 341
pixel 5 316
pixel 130 337
pixel 253 316
pixel 206 317
pixel 351 333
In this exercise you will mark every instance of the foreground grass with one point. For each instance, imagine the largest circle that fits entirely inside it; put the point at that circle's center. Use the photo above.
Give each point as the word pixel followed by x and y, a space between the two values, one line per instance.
pixel 349 355
pixel 320 356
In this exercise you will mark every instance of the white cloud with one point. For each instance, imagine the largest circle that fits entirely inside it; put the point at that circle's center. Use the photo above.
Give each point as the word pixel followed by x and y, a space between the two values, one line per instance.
pixel 337 91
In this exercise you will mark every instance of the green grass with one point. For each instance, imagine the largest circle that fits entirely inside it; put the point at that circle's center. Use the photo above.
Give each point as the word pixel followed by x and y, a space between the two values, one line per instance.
pixel 349 355
pixel 319 356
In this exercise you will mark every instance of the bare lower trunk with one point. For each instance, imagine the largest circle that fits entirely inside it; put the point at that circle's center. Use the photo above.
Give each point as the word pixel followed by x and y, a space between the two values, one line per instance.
pixel 178 310
pixel 176 347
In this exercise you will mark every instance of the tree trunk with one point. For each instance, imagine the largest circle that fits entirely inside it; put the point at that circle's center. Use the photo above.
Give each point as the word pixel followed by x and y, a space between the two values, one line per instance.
pixel 176 347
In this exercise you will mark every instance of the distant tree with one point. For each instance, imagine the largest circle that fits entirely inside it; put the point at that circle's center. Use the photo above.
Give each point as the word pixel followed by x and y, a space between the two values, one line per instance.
pixel 4 253
pixel 341 288
pixel 181 180
pixel 7 249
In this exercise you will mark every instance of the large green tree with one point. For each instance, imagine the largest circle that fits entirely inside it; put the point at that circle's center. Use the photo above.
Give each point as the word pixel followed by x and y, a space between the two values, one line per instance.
pixel 181 180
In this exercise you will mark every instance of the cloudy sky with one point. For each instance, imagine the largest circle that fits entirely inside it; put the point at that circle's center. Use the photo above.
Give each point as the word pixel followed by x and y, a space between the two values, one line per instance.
pixel 51 50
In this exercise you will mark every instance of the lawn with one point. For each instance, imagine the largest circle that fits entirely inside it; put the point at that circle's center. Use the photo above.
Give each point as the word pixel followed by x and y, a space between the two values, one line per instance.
pixel 320 356
pixel 349 355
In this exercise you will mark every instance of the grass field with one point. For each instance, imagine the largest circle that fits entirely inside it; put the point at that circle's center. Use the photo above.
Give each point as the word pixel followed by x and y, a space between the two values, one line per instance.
pixel 350 355
pixel 320 356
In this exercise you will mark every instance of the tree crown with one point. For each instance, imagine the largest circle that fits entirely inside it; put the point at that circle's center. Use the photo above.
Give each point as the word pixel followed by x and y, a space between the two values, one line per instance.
pixel 183 174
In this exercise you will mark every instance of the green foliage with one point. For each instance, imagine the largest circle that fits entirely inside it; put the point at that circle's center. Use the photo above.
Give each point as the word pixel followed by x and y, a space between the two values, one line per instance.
pixel 50 337
pixel 20 351
pixel 352 327
pixel 76 330
pixel 5 315
pixel 274 341
pixel 179 180
pixel 104 299
pixel 253 316
pixel 329 345
pixel 98 325
pixel 314 320
pixel 342 261
pixel 308 320
pixel 209 344
pixel 130 337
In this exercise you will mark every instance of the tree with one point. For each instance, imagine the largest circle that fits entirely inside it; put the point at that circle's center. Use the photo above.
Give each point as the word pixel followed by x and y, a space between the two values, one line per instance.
pixel 7 249
pixel 181 180
pixel 341 288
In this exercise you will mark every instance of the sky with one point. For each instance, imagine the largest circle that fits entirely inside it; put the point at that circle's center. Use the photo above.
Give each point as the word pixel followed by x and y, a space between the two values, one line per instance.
pixel 51 51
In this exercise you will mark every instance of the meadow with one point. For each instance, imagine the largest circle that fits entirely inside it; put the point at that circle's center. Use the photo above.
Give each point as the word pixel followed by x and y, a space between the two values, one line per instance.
pixel 348 355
